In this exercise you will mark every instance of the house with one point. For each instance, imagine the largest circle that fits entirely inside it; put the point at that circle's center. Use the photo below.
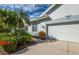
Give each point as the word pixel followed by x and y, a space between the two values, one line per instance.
pixel 60 21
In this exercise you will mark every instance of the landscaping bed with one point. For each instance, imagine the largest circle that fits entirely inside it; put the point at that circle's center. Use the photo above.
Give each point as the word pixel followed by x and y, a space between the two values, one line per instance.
pixel 11 43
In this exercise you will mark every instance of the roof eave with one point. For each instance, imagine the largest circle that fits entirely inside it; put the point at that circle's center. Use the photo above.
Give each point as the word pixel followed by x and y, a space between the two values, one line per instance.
pixel 47 10
pixel 51 9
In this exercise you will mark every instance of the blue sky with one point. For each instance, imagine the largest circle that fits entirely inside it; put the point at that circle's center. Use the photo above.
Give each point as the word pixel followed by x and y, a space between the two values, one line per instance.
pixel 33 10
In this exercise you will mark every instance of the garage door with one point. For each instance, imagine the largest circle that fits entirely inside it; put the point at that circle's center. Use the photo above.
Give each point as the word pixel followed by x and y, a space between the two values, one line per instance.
pixel 65 32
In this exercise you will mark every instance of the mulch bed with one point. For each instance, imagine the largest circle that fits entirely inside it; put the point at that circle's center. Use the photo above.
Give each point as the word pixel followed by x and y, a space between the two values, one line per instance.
pixel 26 45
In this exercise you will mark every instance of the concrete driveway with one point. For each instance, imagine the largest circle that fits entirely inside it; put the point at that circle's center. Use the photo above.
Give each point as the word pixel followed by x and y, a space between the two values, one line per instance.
pixel 51 48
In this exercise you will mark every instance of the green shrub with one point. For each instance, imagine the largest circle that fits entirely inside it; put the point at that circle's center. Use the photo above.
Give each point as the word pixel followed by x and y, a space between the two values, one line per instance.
pixel 29 37
pixel 19 37
pixel 20 32
pixel 20 41
pixel 22 36
pixel 4 30
pixel 8 47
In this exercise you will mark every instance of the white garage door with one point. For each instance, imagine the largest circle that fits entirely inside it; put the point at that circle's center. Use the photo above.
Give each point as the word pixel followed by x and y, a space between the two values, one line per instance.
pixel 65 32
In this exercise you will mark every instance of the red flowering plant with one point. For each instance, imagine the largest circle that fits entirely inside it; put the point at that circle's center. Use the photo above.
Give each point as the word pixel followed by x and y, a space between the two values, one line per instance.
pixel 8 42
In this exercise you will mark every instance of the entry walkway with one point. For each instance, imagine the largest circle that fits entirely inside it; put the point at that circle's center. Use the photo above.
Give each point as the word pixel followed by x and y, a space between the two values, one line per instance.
pixel 51 48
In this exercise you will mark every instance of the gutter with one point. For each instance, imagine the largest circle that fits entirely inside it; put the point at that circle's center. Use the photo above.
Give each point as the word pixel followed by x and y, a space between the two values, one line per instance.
pixel 47 10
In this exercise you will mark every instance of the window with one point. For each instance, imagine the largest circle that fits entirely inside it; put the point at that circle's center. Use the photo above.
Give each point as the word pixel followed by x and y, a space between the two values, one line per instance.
pixel 34 27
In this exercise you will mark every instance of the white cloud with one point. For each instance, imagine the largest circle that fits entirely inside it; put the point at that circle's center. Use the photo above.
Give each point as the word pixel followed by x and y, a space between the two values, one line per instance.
pixel 33 10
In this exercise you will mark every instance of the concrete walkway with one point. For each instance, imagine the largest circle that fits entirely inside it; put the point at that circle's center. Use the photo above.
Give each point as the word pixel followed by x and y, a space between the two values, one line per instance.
pixel 51 48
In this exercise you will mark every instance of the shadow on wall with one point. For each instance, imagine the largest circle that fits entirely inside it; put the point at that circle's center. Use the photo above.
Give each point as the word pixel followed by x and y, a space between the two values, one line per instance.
pixel 50 37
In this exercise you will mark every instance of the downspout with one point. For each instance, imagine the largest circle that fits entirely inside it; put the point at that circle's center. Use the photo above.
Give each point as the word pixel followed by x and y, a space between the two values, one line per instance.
pixel 47 32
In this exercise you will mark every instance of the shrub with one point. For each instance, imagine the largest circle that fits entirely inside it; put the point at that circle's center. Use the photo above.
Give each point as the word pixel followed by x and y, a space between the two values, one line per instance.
pixel 9 47
pixel 20 41
pixel 19 37
pixel 29 37
pixel 22 36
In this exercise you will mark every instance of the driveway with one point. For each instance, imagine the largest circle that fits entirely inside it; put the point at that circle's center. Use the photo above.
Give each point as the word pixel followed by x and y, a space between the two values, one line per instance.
pixel 51 48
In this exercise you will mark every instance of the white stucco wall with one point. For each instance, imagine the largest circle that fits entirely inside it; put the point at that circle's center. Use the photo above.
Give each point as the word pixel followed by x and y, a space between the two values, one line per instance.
pixel 65 32
pixel 41 25
pixel 64 10
pixel 29 29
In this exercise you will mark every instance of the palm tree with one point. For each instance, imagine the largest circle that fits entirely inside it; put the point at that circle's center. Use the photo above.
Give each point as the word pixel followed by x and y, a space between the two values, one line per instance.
pixel 24 16
pixel 12 20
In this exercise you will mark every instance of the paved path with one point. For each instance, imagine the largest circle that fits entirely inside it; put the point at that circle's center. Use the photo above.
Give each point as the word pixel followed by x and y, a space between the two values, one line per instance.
pixel 51 48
